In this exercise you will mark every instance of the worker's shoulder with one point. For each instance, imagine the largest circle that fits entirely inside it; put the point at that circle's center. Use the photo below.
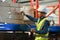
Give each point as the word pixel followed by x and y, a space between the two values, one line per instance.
pixel 46 20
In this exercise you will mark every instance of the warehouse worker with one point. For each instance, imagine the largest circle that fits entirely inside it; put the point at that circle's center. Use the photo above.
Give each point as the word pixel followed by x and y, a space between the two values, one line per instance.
pixel 42 24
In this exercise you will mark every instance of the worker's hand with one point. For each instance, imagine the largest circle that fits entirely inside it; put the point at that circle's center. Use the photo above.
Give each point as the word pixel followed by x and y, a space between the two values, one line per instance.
pixel 32 30
pixel 23 13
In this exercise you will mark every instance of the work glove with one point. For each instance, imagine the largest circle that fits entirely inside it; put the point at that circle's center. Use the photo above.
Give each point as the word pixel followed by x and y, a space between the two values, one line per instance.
pixel 32 30
pixel 23 13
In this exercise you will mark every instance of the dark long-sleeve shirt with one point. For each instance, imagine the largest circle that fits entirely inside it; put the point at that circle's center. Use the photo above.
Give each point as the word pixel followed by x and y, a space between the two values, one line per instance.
pixel 45 26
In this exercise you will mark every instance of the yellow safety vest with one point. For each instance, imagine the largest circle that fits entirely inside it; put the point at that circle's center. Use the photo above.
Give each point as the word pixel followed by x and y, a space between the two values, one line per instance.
pixel 39 26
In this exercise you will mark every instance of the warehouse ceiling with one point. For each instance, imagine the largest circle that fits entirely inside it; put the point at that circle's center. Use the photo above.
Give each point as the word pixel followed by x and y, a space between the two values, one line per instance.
pixel 34 0
pixel 26 1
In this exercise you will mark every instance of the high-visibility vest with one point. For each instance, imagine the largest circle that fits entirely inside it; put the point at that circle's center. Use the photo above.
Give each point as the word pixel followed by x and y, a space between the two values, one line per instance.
pixel 39 26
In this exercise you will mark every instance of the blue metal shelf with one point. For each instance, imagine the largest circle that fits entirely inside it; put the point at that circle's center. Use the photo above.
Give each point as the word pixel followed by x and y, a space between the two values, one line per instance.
pixel 24 27
pixel 14 27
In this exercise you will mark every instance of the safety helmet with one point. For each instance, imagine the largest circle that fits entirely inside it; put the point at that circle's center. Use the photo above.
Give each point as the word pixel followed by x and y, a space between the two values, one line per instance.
pixel 42 9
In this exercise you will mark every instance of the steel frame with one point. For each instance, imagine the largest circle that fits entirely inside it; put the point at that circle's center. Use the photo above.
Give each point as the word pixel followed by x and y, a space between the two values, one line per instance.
pixel 37 5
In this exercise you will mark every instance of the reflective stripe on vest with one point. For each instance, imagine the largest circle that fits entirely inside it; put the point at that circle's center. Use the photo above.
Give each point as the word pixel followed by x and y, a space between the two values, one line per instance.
pixel 39 27
pixel 42 35
pixel 40 24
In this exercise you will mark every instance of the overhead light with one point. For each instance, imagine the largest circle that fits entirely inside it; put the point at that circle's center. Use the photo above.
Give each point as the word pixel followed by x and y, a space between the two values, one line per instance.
pixel 3 0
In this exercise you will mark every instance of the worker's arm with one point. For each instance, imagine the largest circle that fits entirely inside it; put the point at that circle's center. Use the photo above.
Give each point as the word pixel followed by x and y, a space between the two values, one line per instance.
pixel 44 30
pixel 31 18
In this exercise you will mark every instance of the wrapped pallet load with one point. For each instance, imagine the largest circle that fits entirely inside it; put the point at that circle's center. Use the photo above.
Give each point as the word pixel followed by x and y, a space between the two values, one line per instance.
pixel 12 17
